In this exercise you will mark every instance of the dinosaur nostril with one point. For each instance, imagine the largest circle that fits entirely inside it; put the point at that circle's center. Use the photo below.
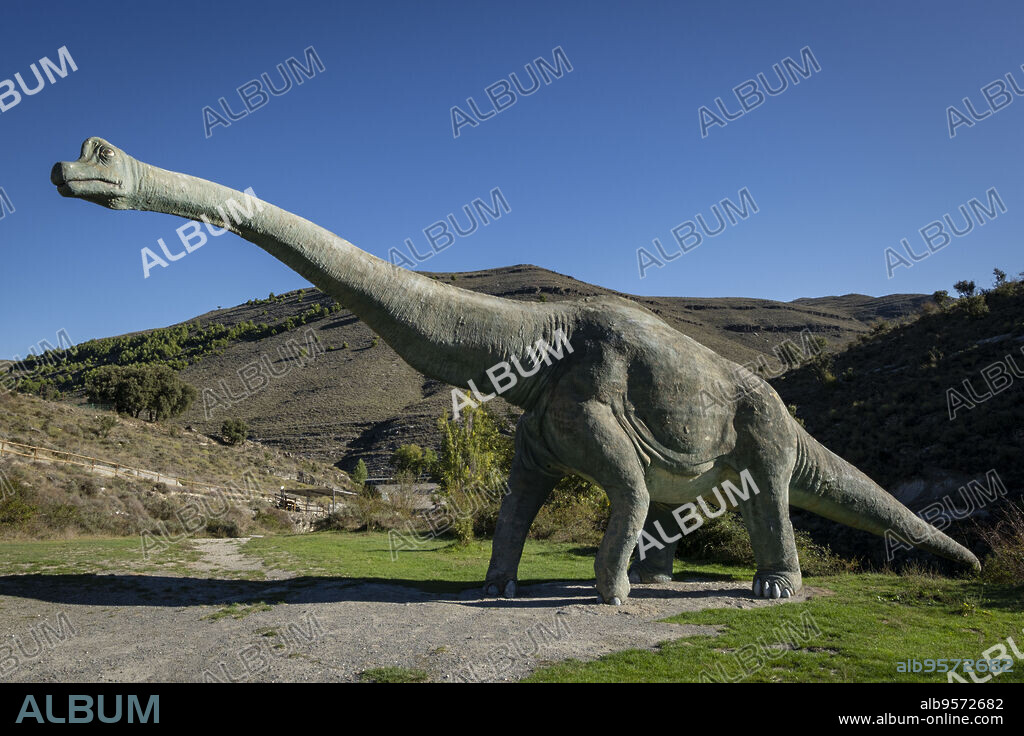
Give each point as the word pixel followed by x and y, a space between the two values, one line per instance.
pixel 57 174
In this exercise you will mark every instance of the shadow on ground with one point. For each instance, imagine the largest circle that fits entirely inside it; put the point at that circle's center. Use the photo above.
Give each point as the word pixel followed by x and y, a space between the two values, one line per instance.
pixel 177 592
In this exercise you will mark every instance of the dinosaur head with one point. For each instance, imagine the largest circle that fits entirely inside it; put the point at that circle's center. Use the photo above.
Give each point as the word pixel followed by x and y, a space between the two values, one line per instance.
pixel 103 174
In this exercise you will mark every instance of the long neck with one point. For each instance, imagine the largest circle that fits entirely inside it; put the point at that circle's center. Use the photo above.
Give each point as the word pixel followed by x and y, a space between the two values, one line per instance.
pixel 446 333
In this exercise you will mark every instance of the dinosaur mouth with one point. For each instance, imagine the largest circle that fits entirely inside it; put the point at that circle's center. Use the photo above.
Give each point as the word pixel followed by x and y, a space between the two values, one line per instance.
pixel 70 185
pixel 65 186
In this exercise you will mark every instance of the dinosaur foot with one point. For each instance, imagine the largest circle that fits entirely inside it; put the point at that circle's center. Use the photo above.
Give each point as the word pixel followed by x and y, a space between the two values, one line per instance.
pixel 613 593
pixel 504 589
pixel 642 576
pixel 776 584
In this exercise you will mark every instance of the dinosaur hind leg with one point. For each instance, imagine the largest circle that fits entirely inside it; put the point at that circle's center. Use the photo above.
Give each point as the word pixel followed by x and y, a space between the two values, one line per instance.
pixel 765 458
pixel 602 451
pixel 656 565
pixel 766 516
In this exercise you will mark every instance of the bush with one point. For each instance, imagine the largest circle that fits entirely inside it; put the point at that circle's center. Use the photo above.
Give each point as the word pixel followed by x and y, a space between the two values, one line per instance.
pixel 222 528
pixel 973 306
pixel 155 389
pixel 414 459
pixel 336 521
pixel 234 431
pixel 818 559
pixel 105 425
pixel 62 515
pixel 577 511
pixel 726 540
pixel 14 510
pixel 273 520
pixel 1005 564
pixel 723 539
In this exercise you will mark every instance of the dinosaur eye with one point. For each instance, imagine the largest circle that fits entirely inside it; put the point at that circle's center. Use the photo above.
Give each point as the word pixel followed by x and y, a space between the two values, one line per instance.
pixel 106 153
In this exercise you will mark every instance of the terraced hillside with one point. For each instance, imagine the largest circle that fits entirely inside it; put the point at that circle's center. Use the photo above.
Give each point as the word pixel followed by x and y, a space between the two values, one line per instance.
pixel 350 396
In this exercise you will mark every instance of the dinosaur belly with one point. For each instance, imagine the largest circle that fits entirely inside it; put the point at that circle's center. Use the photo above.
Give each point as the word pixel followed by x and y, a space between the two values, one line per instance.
pixel 671 488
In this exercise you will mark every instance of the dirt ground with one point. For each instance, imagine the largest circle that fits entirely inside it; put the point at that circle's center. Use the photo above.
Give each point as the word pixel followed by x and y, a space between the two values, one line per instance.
pixel 209 626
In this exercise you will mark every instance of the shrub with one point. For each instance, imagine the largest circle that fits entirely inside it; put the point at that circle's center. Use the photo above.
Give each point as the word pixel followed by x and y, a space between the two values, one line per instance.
pixel 414 459
pixel 155 389
pixel 336 521
pixel 819 559
pixel 234 431
pixel 14 508
pixel 273 520
pixel 105 425
pixel 1005 564
pixel 973 306
pixel 941 298
pixel 222 528
pixel 723 539
pixel 61 516
pixel 577 511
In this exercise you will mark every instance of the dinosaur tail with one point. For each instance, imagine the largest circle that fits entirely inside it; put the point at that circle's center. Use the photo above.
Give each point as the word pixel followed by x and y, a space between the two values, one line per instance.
pixel 829 486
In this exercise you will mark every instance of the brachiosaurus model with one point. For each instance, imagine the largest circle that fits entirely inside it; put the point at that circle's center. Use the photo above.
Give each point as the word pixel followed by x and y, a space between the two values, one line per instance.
pixel 624 409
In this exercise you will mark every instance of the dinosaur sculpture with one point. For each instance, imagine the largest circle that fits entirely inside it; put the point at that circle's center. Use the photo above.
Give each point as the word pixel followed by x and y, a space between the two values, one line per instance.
pixel 621 410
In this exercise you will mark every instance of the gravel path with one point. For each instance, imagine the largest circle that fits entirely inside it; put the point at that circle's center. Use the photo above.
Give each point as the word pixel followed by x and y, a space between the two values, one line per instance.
pixel 212 626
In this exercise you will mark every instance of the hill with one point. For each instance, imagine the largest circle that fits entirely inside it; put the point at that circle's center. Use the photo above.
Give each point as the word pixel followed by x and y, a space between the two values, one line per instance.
pixel 45 497
pixel 928 408
pixel 350 396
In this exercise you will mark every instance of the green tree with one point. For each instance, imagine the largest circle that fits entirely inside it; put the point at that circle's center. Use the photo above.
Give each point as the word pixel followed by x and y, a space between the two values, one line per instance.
pixel 965 287
pixel 360 474
pixel 474 454
pixel 234 431
pixel 414 459
pixel 941 298
pixel 472 468
pixel 168 396
pixel 133 389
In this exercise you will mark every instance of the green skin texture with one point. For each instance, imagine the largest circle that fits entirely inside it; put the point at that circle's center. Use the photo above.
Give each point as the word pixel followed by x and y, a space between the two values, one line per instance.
pixel 624 409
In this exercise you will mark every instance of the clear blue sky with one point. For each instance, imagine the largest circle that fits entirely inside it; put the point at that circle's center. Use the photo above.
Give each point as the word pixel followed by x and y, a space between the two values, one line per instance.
pixel 593 166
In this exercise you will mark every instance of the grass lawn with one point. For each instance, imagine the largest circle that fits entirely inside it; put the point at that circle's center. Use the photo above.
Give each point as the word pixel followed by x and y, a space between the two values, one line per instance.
pixel 436 566
pixel 84 555
pixel 858 634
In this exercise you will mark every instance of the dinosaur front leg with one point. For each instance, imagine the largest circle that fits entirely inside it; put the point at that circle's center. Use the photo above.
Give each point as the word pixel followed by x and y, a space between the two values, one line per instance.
pixel 656 566
pixel 528 489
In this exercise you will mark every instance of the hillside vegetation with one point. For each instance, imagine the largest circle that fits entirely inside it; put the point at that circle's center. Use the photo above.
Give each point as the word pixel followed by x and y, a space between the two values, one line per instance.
pixel 884 403
pixel 350 396
pixel 895 404
pixel 42 499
